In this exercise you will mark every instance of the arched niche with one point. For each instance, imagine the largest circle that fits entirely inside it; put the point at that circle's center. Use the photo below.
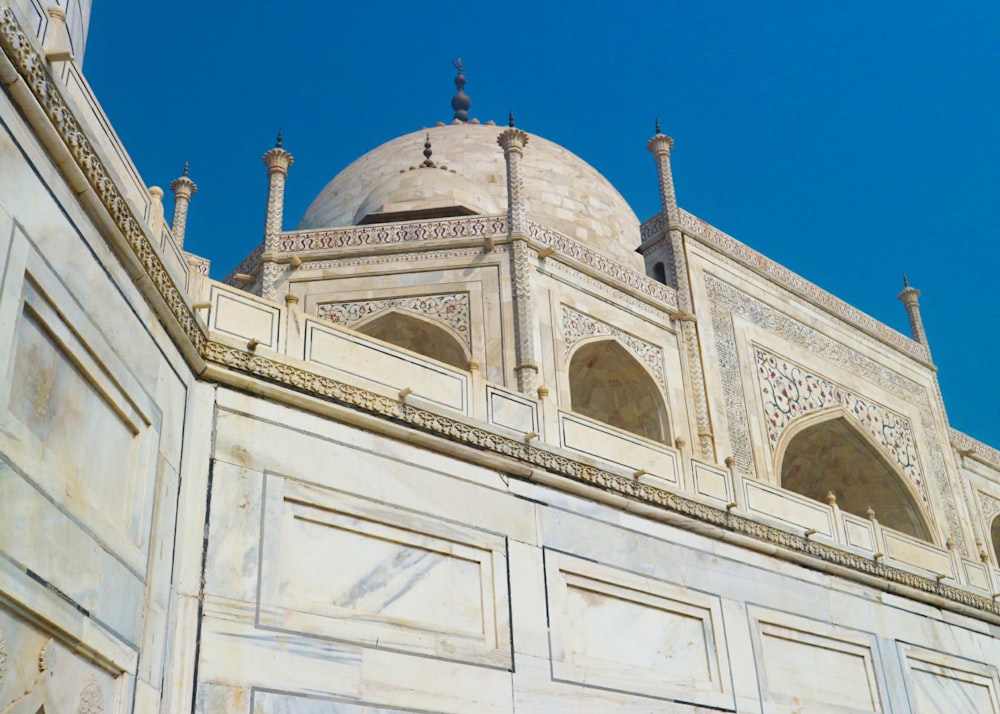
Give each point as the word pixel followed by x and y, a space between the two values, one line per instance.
pixel 831 454
pixel 417 335
pixel 995 537
pixel 660 272
pixel 608 384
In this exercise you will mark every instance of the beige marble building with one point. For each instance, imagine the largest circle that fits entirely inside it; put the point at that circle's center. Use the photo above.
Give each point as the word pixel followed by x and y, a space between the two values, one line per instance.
pixel 470 439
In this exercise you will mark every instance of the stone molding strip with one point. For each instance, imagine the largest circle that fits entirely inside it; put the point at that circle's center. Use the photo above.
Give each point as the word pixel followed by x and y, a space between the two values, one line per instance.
pixel 563 472
pixel 762 265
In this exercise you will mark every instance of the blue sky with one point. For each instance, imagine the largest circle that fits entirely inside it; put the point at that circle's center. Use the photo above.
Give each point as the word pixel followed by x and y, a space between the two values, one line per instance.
pixel 850 141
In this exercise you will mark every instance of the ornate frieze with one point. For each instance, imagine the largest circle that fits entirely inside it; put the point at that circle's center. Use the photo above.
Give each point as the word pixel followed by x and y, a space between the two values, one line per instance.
pixel 797 284
pixel 989 506
pixel 788 391
pixel 580 253
pixel 977 449
pixel 451 309
pixel 387 234
pixel 727 301
pixel 577 326
pixel 653 227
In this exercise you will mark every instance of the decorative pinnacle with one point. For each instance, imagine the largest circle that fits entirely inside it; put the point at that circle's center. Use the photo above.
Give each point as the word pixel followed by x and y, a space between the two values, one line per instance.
pixel 277 144
pixel 658 132
pixel 510 118
pixel 906 283
pixel 460 103
pixel 183 185
pixel 428 164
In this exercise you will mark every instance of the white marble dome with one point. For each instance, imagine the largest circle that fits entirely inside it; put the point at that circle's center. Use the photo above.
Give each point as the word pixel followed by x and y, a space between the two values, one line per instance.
pixel 564 192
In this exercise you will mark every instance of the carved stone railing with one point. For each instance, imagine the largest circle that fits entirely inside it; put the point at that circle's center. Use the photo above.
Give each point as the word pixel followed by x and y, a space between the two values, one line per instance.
pixel 570 248
pixel 386 234
pixel 248 266
pixel 965 444
pixel 475 227
pixel 653 227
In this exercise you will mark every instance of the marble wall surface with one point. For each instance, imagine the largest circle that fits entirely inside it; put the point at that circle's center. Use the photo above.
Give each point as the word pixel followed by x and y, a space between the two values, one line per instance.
pixel 92 425
pixel 348 572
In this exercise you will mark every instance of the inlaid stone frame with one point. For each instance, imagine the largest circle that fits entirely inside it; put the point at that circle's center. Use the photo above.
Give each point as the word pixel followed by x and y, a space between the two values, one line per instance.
pixel 740 315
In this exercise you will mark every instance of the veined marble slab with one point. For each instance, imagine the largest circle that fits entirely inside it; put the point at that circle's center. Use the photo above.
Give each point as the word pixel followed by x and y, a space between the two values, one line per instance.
pixel 400 581
pixel 618 630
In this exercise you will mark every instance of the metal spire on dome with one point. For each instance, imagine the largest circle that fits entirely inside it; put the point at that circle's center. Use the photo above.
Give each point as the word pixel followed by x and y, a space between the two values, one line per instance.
pixel 510 118
pixel 658 132
pixel 428 164
pixel 277 144
pixel 460 103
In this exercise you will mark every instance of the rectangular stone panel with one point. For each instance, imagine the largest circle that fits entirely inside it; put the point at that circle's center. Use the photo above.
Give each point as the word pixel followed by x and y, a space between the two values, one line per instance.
pixel 511 411
pixel 859 532
pixel 350 353
pixel 76 420
pixel 711 482
pixel 787 507
pixel 938 682
pixel 908 551
pixel 618 630
pixel 356 570
pixel 240 315
pixel 814 666
pixel 607 443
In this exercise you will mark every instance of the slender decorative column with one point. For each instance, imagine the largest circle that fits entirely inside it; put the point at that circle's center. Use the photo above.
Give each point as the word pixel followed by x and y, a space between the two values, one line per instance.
pixel 183 189
pixel 660 146
pixel 909 298
pixel 277 161
pixel 512 140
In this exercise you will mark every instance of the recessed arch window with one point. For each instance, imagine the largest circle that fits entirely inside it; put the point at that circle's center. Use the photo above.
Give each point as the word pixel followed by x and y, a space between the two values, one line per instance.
pixel 417 335
pixel 610 385
pixel 836 456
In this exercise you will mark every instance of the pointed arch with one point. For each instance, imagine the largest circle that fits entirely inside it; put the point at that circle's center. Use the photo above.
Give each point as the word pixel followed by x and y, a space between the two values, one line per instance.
pixel 417 335
pixel 608 384
pixel 995 537
pixel 828 452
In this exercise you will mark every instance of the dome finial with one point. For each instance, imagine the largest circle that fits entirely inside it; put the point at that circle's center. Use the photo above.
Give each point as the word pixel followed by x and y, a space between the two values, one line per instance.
pixel 277 144
pixel 428 164
pixel 906 283
pixel 460 103
pixel 658 132
pixel 186 167
pixel 510 117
